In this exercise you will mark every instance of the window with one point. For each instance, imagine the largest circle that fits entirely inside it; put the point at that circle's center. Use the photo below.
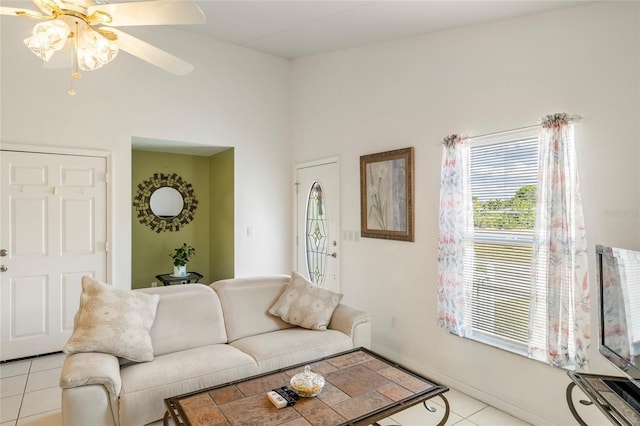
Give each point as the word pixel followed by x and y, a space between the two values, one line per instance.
pixel 503 178
pixel 495 264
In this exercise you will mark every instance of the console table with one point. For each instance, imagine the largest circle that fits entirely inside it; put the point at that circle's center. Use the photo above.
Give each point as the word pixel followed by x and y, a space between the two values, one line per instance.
pixel 191 277
pixel 597 388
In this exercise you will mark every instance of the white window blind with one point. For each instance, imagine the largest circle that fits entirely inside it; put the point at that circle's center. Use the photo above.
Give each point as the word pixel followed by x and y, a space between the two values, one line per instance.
pixel 503 174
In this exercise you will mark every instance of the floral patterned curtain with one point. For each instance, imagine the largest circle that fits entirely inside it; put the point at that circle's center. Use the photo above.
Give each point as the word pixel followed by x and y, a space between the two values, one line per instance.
pixel 456 233
pixel 560 285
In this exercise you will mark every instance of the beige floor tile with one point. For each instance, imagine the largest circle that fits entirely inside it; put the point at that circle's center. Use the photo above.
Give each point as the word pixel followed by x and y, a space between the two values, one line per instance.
pixel 11 423
pixel 48 362
pixel 43 379
pixel 418 415
pixel 16 368
pixel 12 385
pixel 465 422
pixel 9 408
pixel 41 401
pixel 490 416
pixel 51 418
pixel 460 403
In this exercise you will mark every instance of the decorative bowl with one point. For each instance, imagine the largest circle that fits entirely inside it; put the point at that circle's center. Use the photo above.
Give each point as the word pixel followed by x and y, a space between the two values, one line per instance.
pixel 307 384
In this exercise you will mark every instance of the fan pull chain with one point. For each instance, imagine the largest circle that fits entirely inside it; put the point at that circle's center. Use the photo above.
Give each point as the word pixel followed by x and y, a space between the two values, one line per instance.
pixel 75 74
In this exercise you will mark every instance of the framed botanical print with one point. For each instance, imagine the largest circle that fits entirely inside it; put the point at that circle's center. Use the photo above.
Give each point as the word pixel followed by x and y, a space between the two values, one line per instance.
pixel 386 195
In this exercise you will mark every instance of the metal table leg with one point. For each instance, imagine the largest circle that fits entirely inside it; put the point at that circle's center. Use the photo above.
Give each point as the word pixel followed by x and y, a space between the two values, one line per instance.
pixel 432 410
pixel 572 408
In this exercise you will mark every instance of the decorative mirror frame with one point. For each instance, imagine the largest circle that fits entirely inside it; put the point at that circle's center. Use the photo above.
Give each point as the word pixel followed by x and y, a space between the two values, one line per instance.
pixel 142 204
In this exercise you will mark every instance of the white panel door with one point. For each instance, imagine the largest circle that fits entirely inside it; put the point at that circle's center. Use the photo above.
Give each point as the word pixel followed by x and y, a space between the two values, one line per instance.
pixel 53 230
pixel 318 223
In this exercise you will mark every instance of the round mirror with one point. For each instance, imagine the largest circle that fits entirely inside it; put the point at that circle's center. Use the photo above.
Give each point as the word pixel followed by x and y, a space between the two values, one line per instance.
pixel 166 202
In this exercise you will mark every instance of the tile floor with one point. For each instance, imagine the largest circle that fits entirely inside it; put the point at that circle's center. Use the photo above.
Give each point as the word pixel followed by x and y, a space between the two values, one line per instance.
pixel 30 395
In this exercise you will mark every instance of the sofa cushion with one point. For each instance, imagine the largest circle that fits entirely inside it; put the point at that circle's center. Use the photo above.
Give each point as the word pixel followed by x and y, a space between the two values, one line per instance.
pixel 305 304
pixel 292 346
pixel 145 386
pixel 246 302
pixel 113 321
pixel 188 316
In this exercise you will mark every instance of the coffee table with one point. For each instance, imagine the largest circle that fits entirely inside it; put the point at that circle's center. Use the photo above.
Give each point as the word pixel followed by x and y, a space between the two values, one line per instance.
pixel 361 388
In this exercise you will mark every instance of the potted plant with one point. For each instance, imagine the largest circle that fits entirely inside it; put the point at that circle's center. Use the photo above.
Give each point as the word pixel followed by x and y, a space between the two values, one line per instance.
pixel 181 256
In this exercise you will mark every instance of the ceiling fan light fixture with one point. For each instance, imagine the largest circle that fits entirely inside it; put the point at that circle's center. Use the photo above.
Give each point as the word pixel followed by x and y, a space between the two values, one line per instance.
pixel 94 50
pixel 47 38
pixel 93 42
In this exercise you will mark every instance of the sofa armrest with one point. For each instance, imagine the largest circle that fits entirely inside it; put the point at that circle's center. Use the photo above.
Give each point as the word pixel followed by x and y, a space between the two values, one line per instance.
pixel 92 368
pixel 354 323
pixel 91 386
pixel 87 405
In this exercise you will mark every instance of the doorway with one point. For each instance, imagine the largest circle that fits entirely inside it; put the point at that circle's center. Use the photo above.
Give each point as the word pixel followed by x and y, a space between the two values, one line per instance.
pixel 209 171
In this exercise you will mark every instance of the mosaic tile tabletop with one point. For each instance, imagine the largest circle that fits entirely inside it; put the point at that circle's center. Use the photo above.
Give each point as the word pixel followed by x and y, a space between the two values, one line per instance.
pixel 361 387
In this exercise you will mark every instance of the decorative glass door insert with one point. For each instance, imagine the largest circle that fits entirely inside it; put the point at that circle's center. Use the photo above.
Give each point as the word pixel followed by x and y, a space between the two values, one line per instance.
pixel 316 235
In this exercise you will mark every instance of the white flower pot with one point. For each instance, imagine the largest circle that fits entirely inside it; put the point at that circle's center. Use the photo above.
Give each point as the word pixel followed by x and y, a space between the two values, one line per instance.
pixel 180 271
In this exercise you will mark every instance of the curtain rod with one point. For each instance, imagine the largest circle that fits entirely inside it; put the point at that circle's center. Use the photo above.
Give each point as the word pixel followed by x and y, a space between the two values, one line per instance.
pixel 519 129
pixel 572 118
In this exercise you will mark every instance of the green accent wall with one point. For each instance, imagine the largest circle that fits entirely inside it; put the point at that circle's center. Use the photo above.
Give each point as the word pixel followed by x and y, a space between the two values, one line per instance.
pixel 212 187
pixel 221 228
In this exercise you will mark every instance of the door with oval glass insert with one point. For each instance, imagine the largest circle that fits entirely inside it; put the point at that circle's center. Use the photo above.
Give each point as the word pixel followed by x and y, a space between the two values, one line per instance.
pixel 318 223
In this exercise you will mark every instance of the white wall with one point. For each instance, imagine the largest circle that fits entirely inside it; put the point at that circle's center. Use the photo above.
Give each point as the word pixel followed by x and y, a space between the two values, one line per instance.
pixel 235 97
pixel 475 80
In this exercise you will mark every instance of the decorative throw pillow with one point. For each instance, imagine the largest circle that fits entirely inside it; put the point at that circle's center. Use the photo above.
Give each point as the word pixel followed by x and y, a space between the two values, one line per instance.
pixel 113 321
pixel 305 304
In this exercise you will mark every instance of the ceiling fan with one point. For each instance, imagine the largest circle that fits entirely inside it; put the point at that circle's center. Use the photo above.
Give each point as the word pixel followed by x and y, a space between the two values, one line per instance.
pixel 87 28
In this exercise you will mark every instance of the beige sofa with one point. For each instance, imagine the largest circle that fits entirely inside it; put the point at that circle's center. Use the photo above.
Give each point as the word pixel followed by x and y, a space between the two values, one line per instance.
pixel 202 336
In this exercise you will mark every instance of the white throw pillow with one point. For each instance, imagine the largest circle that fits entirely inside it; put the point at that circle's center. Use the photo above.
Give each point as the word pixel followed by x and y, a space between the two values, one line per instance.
pixel 113 321
pixel 305 304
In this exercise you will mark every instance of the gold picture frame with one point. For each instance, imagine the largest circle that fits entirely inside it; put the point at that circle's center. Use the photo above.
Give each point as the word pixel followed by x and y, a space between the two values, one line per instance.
pixel 386 195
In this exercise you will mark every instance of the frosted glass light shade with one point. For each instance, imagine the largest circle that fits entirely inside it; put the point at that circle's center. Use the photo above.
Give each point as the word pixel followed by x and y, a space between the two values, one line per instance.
pixel 94 50
pixel 47 38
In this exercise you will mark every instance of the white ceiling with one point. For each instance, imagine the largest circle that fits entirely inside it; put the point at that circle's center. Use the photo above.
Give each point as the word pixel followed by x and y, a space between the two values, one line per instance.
pixel 298 28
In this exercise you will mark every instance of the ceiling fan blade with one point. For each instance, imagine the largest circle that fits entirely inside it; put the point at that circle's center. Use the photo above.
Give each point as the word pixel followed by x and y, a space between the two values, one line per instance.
pixel 13 11
pixel 157 12
pixel 151 54
pixel 47 6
